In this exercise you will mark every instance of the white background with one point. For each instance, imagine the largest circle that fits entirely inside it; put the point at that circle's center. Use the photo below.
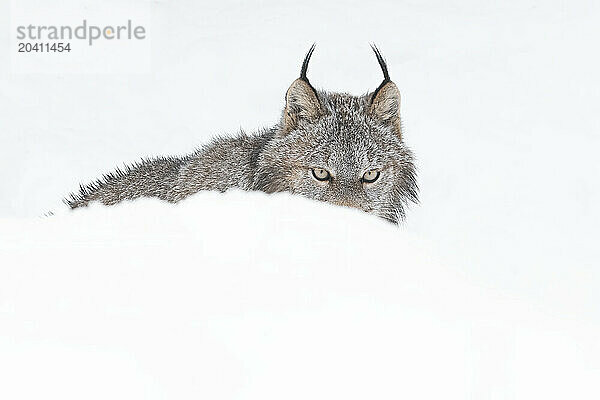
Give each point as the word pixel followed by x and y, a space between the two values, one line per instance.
pixel 500 106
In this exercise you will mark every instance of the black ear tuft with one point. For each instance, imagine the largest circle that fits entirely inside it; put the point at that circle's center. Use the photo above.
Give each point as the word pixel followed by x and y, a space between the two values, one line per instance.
pixel 383 65
pixel 305 63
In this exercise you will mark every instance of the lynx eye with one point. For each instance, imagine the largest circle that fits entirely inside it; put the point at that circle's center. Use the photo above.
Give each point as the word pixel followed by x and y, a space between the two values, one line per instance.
pixel 321 174
pixel 370 176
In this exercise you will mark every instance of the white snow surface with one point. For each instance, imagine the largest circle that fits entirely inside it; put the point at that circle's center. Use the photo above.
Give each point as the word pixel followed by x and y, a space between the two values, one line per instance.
pixel 266 297
pixel 490 290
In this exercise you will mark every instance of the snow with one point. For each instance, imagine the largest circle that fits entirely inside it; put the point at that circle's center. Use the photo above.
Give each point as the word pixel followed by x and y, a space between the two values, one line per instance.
pixel 255 296
pixel 489 290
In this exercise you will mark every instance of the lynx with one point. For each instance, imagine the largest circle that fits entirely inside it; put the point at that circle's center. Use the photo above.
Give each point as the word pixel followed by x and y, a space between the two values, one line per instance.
pixel 334 147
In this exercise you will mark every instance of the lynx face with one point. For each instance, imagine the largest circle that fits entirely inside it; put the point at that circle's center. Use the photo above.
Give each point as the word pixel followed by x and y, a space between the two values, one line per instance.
pixel 346 156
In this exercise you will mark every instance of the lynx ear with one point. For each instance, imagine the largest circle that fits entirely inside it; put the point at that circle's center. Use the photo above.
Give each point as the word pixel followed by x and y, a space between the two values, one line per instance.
pixel 385 103
pixel 301 100
pixel 385 100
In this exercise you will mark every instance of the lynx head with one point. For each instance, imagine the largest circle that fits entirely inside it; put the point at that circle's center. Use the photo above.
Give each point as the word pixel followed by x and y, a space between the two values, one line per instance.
pixel 343 149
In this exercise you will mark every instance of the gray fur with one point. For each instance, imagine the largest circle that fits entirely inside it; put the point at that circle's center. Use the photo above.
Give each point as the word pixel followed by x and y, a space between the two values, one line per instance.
pixel 344 134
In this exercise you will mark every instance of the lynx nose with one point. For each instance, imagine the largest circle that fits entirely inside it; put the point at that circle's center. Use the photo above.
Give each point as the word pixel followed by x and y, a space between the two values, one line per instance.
pixel 348 193
pixel 345 203
pixel 352 202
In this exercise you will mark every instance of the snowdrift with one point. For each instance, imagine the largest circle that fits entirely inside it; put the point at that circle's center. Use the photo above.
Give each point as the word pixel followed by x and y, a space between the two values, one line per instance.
pixel 253 296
